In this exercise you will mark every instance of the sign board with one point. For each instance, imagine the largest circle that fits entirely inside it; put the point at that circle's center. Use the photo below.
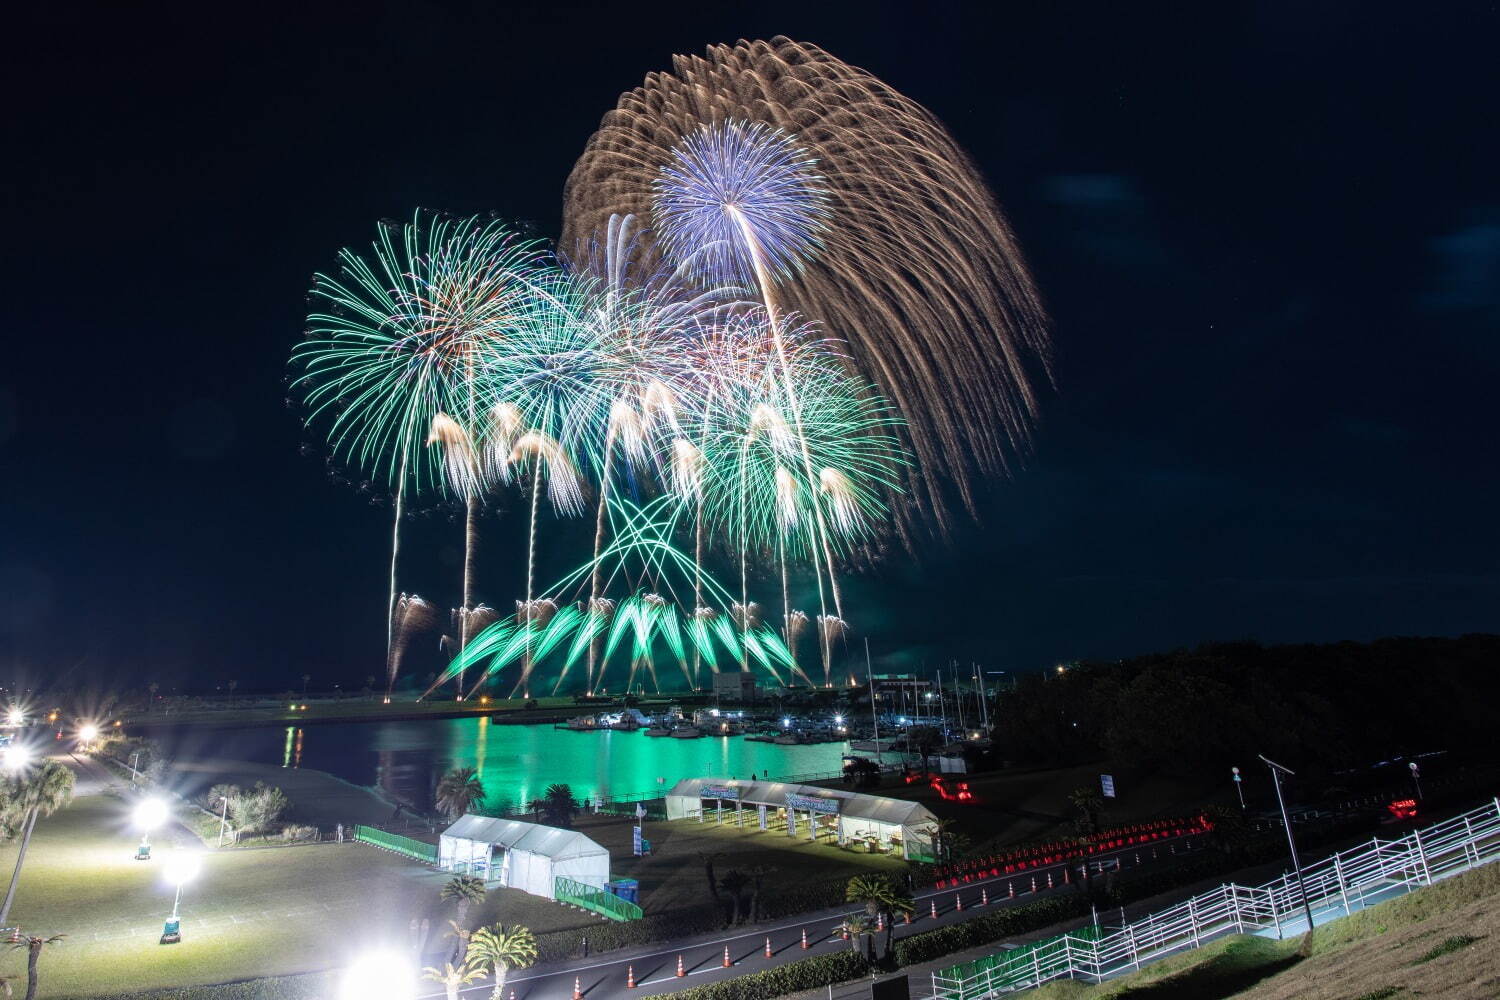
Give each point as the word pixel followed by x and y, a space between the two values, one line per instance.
pixel 719 792
pixel 894 988
pixel 1107 782
pixel 636 841
pixel 640 811
pixel 808 804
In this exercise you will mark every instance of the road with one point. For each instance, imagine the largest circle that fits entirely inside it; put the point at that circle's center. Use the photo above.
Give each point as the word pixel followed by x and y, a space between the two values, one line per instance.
pixel 654 967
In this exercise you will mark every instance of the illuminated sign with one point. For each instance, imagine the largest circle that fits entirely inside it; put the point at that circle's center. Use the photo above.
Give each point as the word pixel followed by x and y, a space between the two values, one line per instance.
pixel 719 792
pixel 807 804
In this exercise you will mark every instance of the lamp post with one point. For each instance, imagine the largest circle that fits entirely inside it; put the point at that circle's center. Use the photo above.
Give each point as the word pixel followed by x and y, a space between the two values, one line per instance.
pixel 182 870
pixel 135 759
pixel 148 816
pixel 223 817
pixel 1238 787
pixel 1276 772
pixel 1416 778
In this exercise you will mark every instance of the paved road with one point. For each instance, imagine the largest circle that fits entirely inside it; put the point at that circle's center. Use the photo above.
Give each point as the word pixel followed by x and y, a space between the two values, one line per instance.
pixel 654 966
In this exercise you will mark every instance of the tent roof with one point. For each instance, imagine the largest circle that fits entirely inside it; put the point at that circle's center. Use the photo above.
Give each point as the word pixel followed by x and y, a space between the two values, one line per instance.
pixel 512 834
pixel 857 805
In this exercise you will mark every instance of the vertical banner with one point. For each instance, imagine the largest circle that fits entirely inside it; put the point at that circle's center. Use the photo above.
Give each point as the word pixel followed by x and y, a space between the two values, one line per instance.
pixel 762 810
pixel 791 822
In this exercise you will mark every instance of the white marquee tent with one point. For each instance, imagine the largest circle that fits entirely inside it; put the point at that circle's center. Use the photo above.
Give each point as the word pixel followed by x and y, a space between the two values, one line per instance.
pixel 859 815
pixel 532 857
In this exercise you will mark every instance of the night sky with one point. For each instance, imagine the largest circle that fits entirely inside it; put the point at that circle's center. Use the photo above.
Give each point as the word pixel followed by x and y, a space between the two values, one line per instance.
pixel 1268 235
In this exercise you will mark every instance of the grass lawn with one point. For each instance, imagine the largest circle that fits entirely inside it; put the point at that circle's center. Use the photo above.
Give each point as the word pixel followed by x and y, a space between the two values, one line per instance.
pixel 249 913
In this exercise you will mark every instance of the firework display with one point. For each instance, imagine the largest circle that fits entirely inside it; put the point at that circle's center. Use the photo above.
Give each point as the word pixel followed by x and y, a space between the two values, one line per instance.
pixel 758 336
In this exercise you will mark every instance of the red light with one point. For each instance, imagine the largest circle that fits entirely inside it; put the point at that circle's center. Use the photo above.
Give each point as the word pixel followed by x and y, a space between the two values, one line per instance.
pixel 1403 808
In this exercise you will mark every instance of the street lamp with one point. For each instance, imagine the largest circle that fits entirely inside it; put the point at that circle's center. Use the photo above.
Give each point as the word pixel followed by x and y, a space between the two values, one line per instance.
pixel 379 975
pixel 1416 777
pixel 15 717
pixel 181 870
pixel 1238 787
pixel 223 817
pixel 149 815
pixel 1276 772
pixel 16 757
pixel 87 733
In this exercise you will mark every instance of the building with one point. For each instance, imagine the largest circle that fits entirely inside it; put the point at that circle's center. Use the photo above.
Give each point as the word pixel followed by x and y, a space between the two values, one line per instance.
pixel 810 811
pixel 734 686
pixel 532 857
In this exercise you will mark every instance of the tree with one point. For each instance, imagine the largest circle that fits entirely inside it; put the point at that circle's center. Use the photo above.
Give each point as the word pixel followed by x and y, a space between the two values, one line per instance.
pixel 305 679
pixel 460 934
pixel 758 875
pixel 858 927
pixel 708 858
pixel 153 687
pixel 22 799
pixel 452 978
pixel 1089 804
pixel 558 805
pixel 458 791
pixel 34 945
pixel 734 883
pixel 502 949
pixel 464 890
pixel 880 897
pixel 924 740
pixel 944 838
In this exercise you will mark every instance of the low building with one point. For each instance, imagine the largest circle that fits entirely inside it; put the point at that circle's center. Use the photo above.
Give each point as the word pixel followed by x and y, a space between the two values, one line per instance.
pixel 531 857
pixel 840 815
pixel 735 686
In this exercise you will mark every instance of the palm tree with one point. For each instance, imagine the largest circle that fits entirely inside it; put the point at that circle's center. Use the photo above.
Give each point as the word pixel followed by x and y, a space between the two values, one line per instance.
pixel 458 790
pixel 34 945
pixel 460 934
pixel 870 890
pixel 452 978
pixel 1089 804
pixel 857 926
pixel 151 701
pixel 502 949
pixel 708 858
pixel 558 804
pixel 465 890
pixel 26 797
pixel 305 679
pixel 758 875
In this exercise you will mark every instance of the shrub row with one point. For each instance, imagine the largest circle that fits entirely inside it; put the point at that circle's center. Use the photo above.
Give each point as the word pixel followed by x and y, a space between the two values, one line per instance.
pixel 977 931
pixel 317 986
pixel 794 977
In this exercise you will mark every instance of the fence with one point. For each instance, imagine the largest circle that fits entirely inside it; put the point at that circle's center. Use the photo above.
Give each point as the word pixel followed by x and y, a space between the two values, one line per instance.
pixel 405 846
pixel 1336 885
pixel 593 898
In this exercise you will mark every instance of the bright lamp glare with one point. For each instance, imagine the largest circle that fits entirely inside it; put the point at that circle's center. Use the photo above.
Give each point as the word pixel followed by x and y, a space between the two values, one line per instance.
pixel 88 733
pixel 183 868
pixel 378 976
pixel 16 717
pixel 17 757
pixel 150 814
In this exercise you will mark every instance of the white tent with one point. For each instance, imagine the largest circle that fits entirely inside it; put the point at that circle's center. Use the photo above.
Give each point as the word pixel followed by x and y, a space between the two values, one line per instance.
pixel 533 856
pixel 849 815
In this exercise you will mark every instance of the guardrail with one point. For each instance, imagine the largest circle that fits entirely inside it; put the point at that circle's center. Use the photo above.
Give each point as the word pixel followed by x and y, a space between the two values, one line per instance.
pixel 417 850
pixel 593 898
pixel 1336 886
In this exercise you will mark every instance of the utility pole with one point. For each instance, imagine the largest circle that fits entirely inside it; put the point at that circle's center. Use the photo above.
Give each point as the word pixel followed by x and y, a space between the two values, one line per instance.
pixel 1276 772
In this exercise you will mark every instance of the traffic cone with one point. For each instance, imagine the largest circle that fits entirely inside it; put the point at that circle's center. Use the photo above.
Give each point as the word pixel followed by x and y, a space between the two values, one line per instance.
pixel 512 994
pixel 934 909
pixel 1068 875
pixel 1049 880
pixel 630 977
pixel 577 989
pixel 768 948
pixel 680 970
pixel 727 963
pixel 984 897
pixel 906 917
pixel 805 945
pixel 879 922
pixel 958 903
pixel 1012 886
pixel 1033 883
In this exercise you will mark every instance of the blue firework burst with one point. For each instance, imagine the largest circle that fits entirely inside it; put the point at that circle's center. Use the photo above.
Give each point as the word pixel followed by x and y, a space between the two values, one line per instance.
pixel 735 190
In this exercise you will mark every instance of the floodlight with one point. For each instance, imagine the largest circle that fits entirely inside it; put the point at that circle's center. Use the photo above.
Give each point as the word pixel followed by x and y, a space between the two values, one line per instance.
pixel 150 814
pixel 378 975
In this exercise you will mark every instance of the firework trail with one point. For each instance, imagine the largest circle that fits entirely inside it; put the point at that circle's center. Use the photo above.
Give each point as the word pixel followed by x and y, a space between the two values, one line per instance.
pixel 916 269
pixel 412 616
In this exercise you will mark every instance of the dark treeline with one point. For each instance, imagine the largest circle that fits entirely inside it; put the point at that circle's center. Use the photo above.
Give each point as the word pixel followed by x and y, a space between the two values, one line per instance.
pixel 1329 707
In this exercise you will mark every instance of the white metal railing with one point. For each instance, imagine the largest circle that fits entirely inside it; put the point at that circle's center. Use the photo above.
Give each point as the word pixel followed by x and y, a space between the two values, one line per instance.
pixel 1337 885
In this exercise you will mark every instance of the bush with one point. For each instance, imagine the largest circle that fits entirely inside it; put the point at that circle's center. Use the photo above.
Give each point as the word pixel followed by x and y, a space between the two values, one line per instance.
pixel 990 927
pixel 294 833
pixel 258 809
pixel 804 974
pixel 316 986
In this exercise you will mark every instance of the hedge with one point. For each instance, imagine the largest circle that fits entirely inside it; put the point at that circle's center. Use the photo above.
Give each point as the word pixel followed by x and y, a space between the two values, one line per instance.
pixel 991 927
pixel 794 977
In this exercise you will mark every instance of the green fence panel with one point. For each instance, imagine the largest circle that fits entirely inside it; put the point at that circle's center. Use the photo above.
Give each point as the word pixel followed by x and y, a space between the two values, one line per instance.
pixel 416 849
pixel 1007 968
pixel 591 898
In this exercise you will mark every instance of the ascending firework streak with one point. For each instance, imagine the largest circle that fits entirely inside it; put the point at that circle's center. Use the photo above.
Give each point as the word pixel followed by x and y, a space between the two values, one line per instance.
pixel 393 351
pixel 412 615
pixel 916 268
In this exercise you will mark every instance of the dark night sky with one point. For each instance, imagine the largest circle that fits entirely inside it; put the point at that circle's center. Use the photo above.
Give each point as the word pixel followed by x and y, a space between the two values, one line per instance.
pixel 1269 236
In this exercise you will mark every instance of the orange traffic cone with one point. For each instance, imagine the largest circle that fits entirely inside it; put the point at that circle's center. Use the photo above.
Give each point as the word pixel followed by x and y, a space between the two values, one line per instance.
pixel 680 970
pixel 1033 883
pixel 934 909
pixel 906 917
pixel 727 963
pixel 1012 886
pixel 984 897
pixel 577 989
pixel 958 903
pixel 880 921
pixel 805 945
pixel 1049 880
pixel 768 948
pixel 630 977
